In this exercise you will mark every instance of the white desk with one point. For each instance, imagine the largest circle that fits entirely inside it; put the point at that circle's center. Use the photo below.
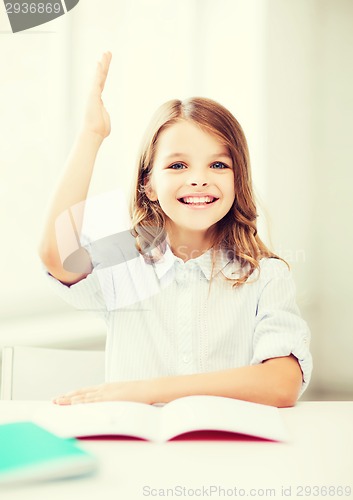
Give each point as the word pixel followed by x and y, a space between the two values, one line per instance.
pixel 320 454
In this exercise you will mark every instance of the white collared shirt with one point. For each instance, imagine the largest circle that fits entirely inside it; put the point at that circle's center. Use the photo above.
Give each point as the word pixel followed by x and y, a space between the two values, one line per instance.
pixel 169 318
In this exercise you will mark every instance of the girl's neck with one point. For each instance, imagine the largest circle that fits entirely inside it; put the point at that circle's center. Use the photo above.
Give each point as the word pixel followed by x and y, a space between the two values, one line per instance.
pixel 189 245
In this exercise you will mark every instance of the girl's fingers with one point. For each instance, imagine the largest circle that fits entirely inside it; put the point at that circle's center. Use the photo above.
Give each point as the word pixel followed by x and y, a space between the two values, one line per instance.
pixel 90 397
pixel 102 73
pixel 104 69
pixel 92 394
pixel 106 58
pixel 79 392
pixel 86 397
pixel 62 401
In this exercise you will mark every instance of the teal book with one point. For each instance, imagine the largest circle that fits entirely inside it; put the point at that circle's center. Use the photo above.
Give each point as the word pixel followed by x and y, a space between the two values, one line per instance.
pixel 28 452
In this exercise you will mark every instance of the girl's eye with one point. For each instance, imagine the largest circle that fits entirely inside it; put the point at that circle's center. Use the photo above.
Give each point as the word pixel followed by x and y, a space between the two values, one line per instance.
pixel 177 166
pixel 219 165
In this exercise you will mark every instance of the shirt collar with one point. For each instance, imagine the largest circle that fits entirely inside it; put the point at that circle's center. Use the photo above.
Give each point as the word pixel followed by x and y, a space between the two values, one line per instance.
pixel 230 268
pixel 166 262
pixel 223 263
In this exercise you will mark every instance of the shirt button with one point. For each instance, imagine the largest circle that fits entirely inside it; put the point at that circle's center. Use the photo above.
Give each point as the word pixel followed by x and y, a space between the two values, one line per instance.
pixel 186 359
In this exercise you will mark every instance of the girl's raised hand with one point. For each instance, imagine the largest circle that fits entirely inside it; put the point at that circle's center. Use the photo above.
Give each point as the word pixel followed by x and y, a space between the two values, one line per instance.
pixel 96 118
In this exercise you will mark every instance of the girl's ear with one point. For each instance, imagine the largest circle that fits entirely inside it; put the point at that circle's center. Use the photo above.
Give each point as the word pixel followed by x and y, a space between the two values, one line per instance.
pixel 150 193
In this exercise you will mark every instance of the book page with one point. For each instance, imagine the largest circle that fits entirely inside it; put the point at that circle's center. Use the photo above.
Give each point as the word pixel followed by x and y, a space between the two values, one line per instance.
pixel 97 419
pixel 218 413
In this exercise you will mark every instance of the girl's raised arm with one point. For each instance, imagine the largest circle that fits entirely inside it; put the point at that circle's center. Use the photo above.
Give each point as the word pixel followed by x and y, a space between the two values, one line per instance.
pixel 73 186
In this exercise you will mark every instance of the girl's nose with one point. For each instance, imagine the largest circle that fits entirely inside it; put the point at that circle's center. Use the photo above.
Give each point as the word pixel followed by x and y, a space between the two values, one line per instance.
pixel 198 183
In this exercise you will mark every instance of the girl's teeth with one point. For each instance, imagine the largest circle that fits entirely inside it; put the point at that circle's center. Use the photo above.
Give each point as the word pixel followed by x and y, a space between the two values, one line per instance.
pixel 199 199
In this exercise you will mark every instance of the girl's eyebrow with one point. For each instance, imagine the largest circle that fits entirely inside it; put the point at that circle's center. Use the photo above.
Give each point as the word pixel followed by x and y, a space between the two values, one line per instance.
pixel 222 155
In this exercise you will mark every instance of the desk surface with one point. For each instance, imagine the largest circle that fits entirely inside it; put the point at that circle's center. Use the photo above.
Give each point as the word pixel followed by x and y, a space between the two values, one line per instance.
pixel 319 455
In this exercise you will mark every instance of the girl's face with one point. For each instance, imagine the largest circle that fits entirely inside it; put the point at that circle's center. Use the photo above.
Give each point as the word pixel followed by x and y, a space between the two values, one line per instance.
pixel 192 177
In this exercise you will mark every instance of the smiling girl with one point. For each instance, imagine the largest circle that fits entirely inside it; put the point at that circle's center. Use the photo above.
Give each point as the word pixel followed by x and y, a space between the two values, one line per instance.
pixel 203 307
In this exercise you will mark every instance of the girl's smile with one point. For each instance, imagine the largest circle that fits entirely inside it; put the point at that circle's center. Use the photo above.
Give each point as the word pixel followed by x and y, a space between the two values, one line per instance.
pixel 200 201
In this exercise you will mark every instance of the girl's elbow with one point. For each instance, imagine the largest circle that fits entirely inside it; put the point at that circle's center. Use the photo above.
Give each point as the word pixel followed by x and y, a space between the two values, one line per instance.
pixel 50 259
pixel 286 401
pixel 287 377
pixel 47 256
pixel 287 395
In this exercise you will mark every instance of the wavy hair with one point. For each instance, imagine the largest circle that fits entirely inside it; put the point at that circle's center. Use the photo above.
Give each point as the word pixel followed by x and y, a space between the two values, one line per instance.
pixel 236 232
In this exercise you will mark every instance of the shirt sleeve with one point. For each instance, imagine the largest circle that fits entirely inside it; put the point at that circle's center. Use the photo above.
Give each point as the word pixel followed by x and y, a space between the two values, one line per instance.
pixel 279 328
pixel 85 295
pixel 88 294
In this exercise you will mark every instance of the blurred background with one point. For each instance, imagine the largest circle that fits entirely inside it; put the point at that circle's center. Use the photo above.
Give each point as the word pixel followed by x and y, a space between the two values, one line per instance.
pixel 282 67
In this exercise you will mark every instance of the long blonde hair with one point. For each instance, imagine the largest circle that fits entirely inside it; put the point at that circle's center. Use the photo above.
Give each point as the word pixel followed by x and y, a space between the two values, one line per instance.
pixel 236 233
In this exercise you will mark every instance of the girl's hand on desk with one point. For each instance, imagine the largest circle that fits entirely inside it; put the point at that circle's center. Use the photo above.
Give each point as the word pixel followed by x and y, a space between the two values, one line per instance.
pixel 136 390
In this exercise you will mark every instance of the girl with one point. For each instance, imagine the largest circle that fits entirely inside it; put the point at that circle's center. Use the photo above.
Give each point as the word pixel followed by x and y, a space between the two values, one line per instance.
pixel 202 306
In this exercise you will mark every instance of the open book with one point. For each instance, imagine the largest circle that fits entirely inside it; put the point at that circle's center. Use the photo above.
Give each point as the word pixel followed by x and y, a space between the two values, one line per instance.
pixel 162 423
